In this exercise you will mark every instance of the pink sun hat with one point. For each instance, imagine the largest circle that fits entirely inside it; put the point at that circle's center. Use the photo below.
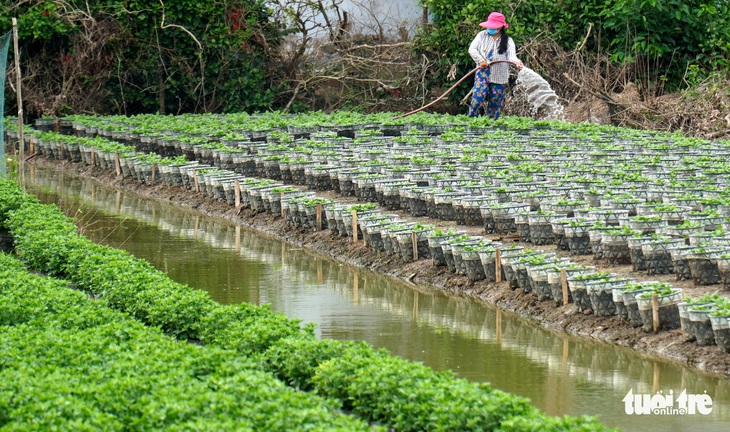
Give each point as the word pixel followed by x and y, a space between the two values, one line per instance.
pixel 495 21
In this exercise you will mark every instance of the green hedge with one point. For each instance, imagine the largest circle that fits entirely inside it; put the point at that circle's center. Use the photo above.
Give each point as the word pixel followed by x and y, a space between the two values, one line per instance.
pixel 70 363
pixel 11 198
pixel 373 384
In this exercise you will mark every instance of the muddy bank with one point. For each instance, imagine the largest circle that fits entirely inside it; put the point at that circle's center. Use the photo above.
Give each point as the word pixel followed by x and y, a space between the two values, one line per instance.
pixel 668 345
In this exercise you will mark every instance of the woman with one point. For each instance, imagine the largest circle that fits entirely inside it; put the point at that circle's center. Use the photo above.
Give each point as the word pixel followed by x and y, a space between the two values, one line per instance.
pixel 490 79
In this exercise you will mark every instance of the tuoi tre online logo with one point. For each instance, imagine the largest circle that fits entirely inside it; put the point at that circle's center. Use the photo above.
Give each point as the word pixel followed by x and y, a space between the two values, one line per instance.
pixel 661 404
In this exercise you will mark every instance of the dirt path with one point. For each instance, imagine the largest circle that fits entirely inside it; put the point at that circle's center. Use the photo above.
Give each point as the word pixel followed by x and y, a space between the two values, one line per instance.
pixel 666 345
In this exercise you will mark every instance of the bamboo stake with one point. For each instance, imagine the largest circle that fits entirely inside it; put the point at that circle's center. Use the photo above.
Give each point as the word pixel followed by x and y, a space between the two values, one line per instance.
pixel 19 93
pixel 31 149
pixel 319 216
pixel 414 241
pixel 117 165
pixel 154 173
pixel 237 193
pixel 498 265
pixel 283 213
pixel 354 226
pixel 197 182
pixel 564 284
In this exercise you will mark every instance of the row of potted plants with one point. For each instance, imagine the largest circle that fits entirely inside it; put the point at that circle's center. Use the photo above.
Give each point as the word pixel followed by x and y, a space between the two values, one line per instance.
pixel 462 171
pixel 655 217
pixel 475 257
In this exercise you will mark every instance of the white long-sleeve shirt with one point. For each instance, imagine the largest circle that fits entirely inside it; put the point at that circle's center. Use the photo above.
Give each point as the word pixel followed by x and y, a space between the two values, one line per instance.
pixel 479 50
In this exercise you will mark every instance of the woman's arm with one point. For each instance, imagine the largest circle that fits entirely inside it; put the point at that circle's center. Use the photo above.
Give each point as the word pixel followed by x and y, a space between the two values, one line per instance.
pixel 474 48
pixel 512 53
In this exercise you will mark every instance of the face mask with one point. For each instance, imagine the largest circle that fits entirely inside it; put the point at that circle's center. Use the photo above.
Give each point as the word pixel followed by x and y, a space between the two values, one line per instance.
pixel 492 31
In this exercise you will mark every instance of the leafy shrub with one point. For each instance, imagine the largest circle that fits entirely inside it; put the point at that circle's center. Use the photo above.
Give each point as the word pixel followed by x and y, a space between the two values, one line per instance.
pixel 69 363
pixel 247 333
pixel 295 360
pixel 412 397
pixel 11 198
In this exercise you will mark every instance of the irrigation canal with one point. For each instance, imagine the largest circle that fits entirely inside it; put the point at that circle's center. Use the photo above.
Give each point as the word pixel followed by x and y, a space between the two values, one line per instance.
pixel 561 375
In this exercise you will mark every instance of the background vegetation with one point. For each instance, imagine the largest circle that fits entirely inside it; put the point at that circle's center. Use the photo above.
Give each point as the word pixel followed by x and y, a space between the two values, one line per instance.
pixel 665 41
pixel 133 56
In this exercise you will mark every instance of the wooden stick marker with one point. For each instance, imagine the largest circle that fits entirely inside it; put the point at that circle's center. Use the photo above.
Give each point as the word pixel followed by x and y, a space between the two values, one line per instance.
pixel 414 241
pixel 117 165
pixel 354 226
pixel 319 216
pixel 498 265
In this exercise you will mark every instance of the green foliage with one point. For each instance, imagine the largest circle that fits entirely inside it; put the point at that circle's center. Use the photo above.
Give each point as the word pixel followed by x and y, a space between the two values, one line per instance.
pixel 360 208
pixel 37 21
pixel 672 33
pixel 12 198
pixel 704 298
pixel 71 363
pixel 295 360
pixel 204 55
pixel 43 236
pixel 722 307
pixel 660 289
pixel 47 241
pixel 412 397
pixel 248 329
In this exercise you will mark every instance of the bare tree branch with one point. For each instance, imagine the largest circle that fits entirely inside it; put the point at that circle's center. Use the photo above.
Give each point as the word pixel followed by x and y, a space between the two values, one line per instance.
pixel 164 26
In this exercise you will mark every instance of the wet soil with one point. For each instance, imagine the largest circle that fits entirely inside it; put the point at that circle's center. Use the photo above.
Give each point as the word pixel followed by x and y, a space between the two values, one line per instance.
pixel 666 345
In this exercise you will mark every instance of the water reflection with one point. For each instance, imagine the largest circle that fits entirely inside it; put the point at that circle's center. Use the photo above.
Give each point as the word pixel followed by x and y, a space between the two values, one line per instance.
pixel 561 375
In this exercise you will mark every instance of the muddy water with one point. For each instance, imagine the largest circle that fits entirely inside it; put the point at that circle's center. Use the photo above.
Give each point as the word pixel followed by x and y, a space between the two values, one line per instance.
pixel 559 374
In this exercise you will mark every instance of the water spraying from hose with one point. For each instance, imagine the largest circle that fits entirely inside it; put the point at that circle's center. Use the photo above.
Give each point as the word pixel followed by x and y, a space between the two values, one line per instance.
pixel 539 94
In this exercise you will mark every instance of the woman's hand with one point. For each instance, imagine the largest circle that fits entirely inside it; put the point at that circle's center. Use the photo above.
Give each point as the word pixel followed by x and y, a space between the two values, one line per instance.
pixel 484 64
pixel 519 64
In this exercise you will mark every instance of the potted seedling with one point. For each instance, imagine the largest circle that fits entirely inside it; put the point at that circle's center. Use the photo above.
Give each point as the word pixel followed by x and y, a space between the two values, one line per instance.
pixel 720 322
pixel 667 299
pixel 578 288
